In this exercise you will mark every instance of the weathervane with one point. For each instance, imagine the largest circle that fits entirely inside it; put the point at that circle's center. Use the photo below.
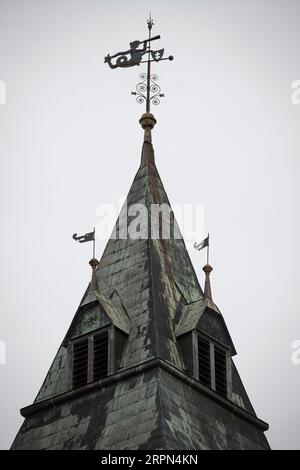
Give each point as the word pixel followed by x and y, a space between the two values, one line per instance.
pixel 147 90
pixel 203 244
pixel 88 237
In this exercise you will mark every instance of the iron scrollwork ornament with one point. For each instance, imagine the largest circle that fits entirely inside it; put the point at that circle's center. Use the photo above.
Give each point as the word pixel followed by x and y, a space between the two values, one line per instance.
pixel 141 90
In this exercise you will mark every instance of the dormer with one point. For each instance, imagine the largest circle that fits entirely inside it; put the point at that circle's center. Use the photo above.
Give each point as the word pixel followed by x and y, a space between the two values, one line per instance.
pixel 206 347
pixel 96 339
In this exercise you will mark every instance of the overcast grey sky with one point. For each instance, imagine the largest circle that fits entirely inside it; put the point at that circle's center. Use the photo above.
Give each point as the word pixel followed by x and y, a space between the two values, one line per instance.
pixel 227 137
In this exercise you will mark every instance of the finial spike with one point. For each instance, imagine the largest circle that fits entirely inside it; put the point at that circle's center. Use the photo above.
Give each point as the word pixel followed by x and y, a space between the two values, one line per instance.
pixel 150 21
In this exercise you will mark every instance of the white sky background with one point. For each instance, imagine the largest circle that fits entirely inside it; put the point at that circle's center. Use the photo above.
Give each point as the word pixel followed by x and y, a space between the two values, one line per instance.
pixel 227 136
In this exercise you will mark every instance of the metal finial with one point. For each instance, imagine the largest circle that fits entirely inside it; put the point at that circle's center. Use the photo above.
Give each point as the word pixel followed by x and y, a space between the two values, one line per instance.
pixel 150 21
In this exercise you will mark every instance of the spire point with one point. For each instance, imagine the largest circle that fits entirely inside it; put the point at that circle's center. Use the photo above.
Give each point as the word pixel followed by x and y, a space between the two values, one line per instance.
pixel 150 21
pixel 147 122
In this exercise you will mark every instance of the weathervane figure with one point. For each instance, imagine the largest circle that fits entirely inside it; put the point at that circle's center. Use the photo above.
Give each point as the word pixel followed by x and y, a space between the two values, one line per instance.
pixel 147 90
pixel 136 55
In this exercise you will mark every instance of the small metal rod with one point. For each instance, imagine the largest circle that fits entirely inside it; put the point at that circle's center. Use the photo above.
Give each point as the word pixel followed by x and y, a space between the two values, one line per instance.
pixel 94 243
pixel 152 60
pixel 208 250
pixel 152 39
pixel 148 67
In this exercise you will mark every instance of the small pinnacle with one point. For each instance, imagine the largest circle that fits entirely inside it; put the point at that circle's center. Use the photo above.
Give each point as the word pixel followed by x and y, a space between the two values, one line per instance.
pixel 207 289
pixel 147 122
pixel 94 263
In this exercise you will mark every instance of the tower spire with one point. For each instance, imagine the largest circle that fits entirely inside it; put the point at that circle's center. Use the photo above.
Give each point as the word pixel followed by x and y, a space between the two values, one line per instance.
pixel 145 340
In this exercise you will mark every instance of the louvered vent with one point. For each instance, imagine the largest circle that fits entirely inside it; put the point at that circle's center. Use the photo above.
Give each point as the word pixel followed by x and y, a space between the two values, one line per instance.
pixel 221 371
pixel 80 363
pixel 204 362
pixel 100 356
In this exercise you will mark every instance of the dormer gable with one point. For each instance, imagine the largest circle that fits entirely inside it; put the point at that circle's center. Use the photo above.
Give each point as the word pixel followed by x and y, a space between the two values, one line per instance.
pixel 102 311
pixel 200 316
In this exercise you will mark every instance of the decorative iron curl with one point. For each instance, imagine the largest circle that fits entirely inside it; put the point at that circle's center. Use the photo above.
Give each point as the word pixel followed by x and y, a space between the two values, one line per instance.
pixel 142 88
pixel 155 90
pixel 140 99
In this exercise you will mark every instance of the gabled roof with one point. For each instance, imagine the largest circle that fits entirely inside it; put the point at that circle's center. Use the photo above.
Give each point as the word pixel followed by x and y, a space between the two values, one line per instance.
pixel 99 312
pixel 190 316
pixel 194 316
pixel 116 314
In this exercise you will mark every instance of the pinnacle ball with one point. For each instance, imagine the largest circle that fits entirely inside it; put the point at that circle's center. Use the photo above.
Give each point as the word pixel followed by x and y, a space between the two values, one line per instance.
pixel 147 121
